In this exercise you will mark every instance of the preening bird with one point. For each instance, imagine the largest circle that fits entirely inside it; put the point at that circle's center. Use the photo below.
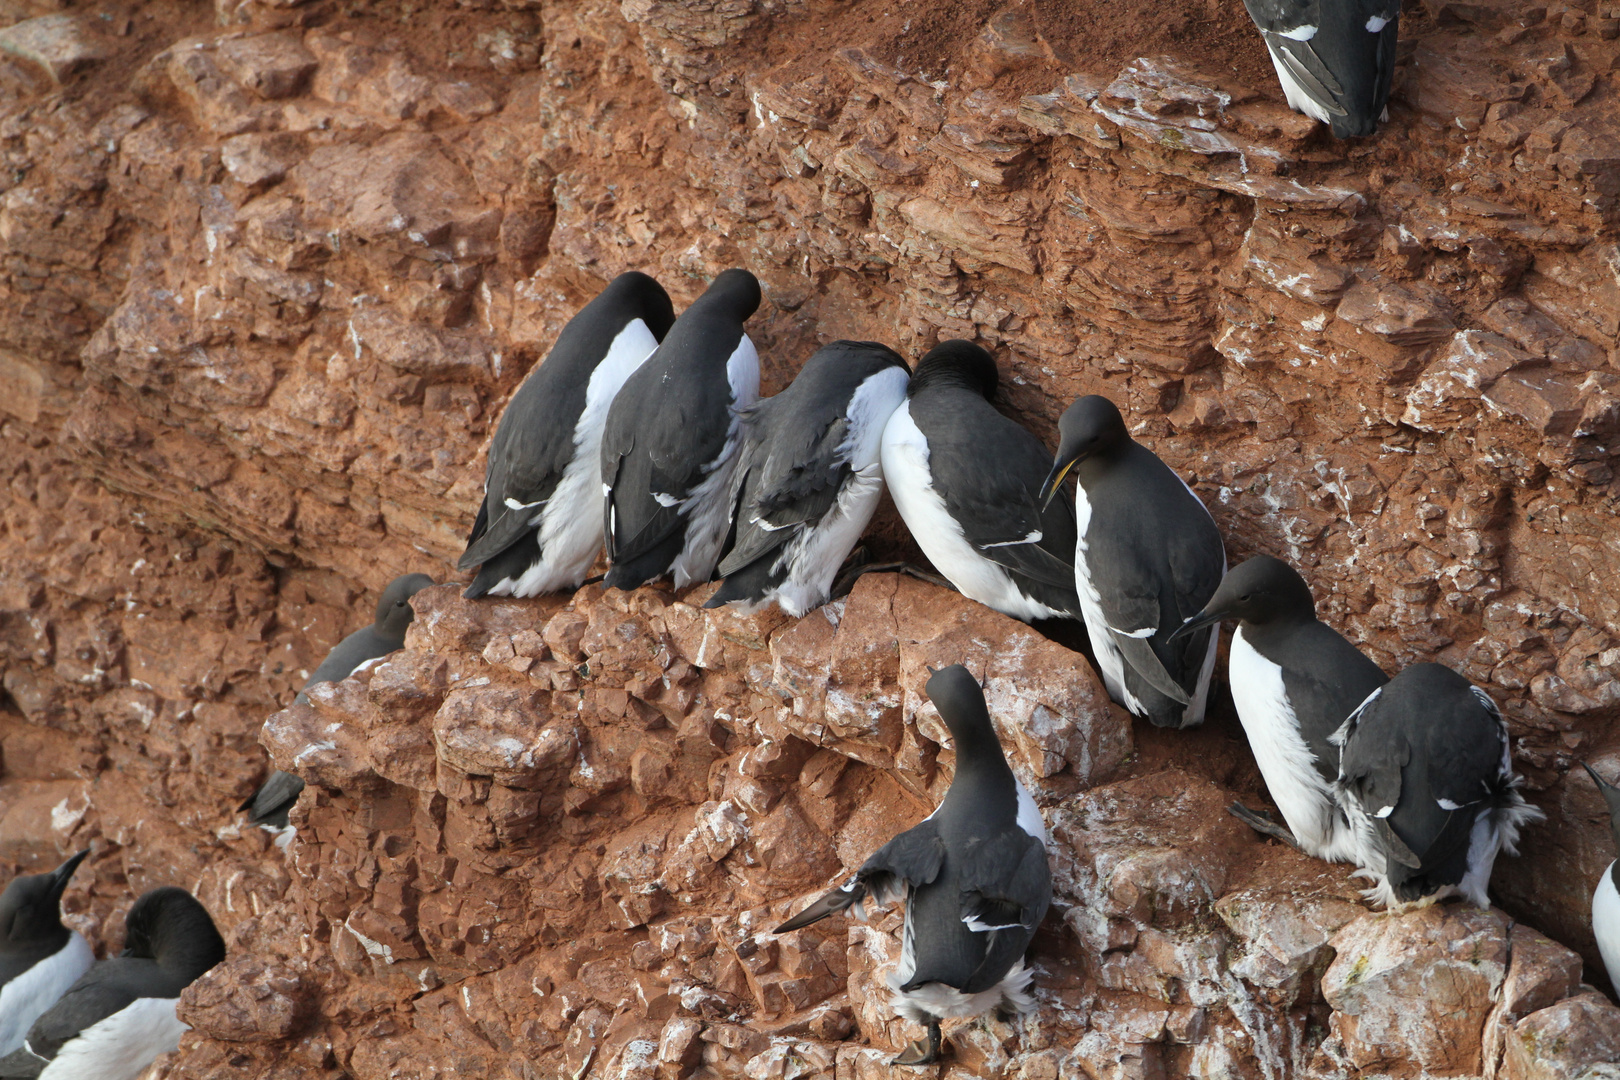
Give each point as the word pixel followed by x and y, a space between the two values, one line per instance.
pixel 809 478
pixel 120 1014
pixel 270 805
pixel 1147 557
pixel 1294 681
pixel 966 480
pixel 1606 897
pixel 974 878
pixel 1426 779
pixel 39 957
pixel 540 525
pixel 1334 58
pixel 672 438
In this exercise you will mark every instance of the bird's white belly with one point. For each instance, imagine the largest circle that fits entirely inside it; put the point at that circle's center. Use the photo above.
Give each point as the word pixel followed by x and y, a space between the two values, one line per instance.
pixel 911 485
pixel 1606 923
pixel 121 1046
pixel 814 556
pixel 24 998
pixel 571 522
pixel 1286 763
pixel 936 1001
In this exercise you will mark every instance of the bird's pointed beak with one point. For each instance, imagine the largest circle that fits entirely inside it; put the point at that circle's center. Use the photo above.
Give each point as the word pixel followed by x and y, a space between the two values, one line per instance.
pixel 64 873
pixel 1196 623
pixel 1610 793
pixel 1054 480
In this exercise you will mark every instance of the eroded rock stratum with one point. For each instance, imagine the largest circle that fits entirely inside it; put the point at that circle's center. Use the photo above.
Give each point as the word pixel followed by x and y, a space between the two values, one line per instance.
pixel 271 269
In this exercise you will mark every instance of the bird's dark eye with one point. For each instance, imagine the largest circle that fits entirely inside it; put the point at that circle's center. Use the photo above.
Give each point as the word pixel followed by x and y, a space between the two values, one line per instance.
pixel 1245 598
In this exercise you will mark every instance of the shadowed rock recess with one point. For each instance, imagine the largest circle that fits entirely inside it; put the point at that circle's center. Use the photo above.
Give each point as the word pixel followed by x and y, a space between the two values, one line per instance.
pixel 270 269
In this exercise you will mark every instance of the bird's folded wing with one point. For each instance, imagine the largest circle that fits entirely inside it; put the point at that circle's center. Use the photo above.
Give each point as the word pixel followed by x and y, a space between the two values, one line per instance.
pixel 1006 888
pixel 21 1065
pixel 278 790
pixel 92 999
pixel 519 484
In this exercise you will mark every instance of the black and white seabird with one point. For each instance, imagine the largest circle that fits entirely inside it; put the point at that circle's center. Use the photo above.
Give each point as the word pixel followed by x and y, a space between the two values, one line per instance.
pixel 1294 681
pixel 39 957
pixel 966 480
pixel 1426 779
pixel 809 477
pixel 974 877
pixel 270 805
pixel 1334 58
pixel 120 1014
pixel 540 525
pixel 671 441
pixel 1606 897
pixel 1147 557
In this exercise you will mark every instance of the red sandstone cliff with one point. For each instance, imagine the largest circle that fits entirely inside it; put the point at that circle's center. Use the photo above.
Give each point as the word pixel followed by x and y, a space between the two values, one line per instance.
pixel 270 270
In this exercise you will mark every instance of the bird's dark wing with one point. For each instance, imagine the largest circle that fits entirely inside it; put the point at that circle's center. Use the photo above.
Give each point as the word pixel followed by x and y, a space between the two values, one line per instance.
pixel 274 799
pixel 794 475
pixel 1006 886
pixel 103 990
pixel 1373 756
pixel 913 858
pixel 1332 53
pixel 350 654
pixel 21 1065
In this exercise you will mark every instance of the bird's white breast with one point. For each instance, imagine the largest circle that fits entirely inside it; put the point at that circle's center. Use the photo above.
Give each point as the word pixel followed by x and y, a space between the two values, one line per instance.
pixel 911 485
pixel 1285 761
pixel 121 1046
pixel 1606 923
pixel 25 998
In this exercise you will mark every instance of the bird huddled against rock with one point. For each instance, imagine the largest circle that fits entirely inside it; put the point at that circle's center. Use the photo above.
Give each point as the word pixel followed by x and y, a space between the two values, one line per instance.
pixel 1334 58
pixel 120 1014
pixel 809 477
pixel 1147 557
pixel 1294 681
pixel 273 801
pixel 1606 897
pixel 966 480
pixel 540 525
pixel 39 957
pixel 974 878
pixel 1426 778
pixel 671 441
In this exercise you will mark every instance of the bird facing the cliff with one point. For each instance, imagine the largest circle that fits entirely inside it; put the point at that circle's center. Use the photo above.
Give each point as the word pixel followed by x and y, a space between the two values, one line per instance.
pixel 809 477
pixel 270 805
pixel 1606 897
pixel 120 1014
pixel 671 441
pixel 1294 681
pixel 1426 779
pixel 1334 58
pixel 974 877
pixel 540 525
pixel 39 957
pixel 1147 557
pixel 966 480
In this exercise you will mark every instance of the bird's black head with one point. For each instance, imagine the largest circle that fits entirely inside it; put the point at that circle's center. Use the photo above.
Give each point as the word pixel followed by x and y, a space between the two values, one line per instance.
pixel 170 926
pixel 1611 795
pixel 1257 592
pixel 31 906
pixel 641 294
pixel 735 292
pixel 955 363
pixel 394 612
pixel 1091 427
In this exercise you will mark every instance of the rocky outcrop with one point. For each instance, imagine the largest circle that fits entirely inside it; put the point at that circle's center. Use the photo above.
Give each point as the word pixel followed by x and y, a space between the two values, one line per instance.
pixel 271 269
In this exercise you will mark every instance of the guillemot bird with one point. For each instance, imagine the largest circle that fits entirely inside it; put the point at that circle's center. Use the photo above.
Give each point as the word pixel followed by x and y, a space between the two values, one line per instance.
pixel 966 480
pixel 974 877
pixel 1606 897
pixel 671 441
pixel 1147 556
pixel 809 477
pixel 1334 58
pixel 39 957
pixel 1294 681
pixel 120 1014
pixel 1426 779
pixel 270 805
pixel 540 525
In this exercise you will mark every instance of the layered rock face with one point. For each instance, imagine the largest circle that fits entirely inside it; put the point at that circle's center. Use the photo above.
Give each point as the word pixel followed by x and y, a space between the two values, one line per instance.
pixel 271 270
